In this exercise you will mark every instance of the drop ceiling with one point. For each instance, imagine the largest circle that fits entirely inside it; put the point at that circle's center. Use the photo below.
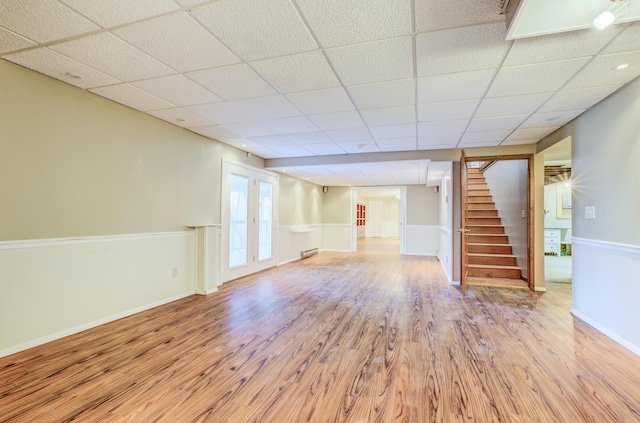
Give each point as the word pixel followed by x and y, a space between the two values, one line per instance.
pixel 301 78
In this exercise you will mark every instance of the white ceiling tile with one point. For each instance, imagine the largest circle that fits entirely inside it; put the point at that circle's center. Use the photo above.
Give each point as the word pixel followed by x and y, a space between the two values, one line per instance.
pixel 36 19
pixel 461 49
pixel 438 141
pixel 108 13
pixel 257 29
pixel 527 134
pixel 269 141
pixel 628 40
pixel 338 120
pixel 192 2
pixel 487 137
pixel 323 149
pixel 565 45
pixel 496 123
pixel 518 142
pixel 214 131
pixel 393 131
pixel 389 116
pixel 342 22
pixel 131 96
pixel 189 47
pixel 115 58
pixel 383 94
pixel 297 72
pixel 265 153
pixel 249 129
pixel 322 101
pixel 601 71
pixel 516 105
pixel 433 15
pixel 349 134
pixel 58 66
pixel 537 78
pixel 448 110
pixel 577 99
pixel 376 61
pixel 265 108
pixel 553 119
pixel 443 127
pixel 10 41
pixel 291 151
pixel 469 144
pixel 397 144
pixel 220 113
pixel 178 90
pixel 291 125
pixel 235 82
pixel 179 117
pixel 455 86
pixel 309 138
pixel 357 147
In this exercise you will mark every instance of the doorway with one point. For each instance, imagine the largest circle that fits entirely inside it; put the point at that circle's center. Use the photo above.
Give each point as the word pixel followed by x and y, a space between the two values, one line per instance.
pixel 497 222
pixel 378 212
pixel 249 225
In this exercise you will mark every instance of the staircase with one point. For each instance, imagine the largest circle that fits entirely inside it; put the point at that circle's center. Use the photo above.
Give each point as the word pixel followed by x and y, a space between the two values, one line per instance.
pixel 488 250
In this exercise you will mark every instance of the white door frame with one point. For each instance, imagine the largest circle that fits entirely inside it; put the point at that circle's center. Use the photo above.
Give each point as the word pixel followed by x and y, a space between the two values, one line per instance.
pixel 255 175
pixel 403 214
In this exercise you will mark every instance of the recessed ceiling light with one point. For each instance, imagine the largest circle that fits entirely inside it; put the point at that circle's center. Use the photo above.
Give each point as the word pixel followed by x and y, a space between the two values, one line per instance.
pixel 244 145
pixel 621 66
pixel 284 170
pixel 73 75
pixel 180 119
pixel 553 118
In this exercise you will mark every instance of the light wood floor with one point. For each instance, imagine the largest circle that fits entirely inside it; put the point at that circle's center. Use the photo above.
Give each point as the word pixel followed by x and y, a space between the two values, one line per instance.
pixel 365 337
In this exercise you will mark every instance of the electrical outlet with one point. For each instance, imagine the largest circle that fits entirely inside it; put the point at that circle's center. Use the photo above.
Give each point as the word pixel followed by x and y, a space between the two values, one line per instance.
pixel 174 272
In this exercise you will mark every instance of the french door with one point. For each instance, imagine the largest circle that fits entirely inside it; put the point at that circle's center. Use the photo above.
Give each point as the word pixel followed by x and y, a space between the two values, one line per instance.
pixel 249 223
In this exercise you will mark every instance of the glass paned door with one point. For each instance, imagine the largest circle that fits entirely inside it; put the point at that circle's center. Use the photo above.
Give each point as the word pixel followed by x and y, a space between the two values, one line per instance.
pixel 265 221
pixel 238 220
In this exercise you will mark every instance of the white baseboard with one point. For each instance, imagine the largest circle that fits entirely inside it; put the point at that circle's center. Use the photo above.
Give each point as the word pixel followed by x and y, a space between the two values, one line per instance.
pixel 455 283
pixel 80 328
pixel 289 261
pixel 620 340
pixel 540 289
pixel 421 254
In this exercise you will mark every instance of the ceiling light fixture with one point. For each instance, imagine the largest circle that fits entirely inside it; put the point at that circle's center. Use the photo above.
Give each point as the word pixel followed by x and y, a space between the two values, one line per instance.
pixel 621 66
pixel 615 11
pixel 73 75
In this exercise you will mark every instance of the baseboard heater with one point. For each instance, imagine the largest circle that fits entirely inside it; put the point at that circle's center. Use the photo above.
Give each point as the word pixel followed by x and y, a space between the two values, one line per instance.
pixel 308 253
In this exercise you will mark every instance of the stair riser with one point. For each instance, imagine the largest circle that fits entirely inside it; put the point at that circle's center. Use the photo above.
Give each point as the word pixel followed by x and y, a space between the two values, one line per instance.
pixel 491 260
pixel 488 239
pixel 479 199
pixel 477 192
pixel 481 206
pixel 484 221
pixel 495 273
pixel 481 213
pixel 485 229
pixel 489 249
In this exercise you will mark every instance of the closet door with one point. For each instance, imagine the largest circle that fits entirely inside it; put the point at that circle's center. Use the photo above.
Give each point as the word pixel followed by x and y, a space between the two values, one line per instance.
pixel 249 207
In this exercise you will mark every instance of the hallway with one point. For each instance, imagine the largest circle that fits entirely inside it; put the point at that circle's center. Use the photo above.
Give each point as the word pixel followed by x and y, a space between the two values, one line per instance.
pixel 338 337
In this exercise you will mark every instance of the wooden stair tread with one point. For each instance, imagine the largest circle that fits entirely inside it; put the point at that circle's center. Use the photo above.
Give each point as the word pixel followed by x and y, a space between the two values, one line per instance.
pixel 490 254
pixel 492 266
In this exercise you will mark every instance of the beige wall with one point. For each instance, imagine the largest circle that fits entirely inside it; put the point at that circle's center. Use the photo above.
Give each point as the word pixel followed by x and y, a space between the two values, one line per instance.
pixel 336 205
pixel 422 206
pixel 300 202
pixel 75 164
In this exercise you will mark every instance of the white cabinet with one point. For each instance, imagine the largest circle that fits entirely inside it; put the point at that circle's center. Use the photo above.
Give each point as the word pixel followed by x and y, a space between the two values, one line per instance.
pixel 552 241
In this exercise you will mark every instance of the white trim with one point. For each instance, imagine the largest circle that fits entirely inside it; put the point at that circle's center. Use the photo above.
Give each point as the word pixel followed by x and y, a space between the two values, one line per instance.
pixel 289 261
pixel 421 255
pixel 540 289
pixel 613 246
pixel 301 228
pixel 455 283
pixel 620 340
pixel 335 251
pixel 53 242
pixel 52 337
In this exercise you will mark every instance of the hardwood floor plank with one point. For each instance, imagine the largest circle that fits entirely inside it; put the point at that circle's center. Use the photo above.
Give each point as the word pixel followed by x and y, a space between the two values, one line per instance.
pixel 360 337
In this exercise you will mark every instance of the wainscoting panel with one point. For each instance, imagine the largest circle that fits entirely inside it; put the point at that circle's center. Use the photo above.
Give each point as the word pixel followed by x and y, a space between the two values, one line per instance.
pixel 445 251
pixel 606 289
pixel 54 288
pixel 422 240
pixel 294 239
pixel 336 237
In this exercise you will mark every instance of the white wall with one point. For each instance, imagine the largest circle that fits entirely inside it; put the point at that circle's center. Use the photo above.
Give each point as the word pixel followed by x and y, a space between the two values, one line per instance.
pixel 605 151
pixel 445 247
pixel 390 225
pixel 508 181
pixel 55 287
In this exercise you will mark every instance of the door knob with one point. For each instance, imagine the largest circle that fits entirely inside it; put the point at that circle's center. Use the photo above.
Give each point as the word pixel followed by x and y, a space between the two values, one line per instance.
pixel 464 230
